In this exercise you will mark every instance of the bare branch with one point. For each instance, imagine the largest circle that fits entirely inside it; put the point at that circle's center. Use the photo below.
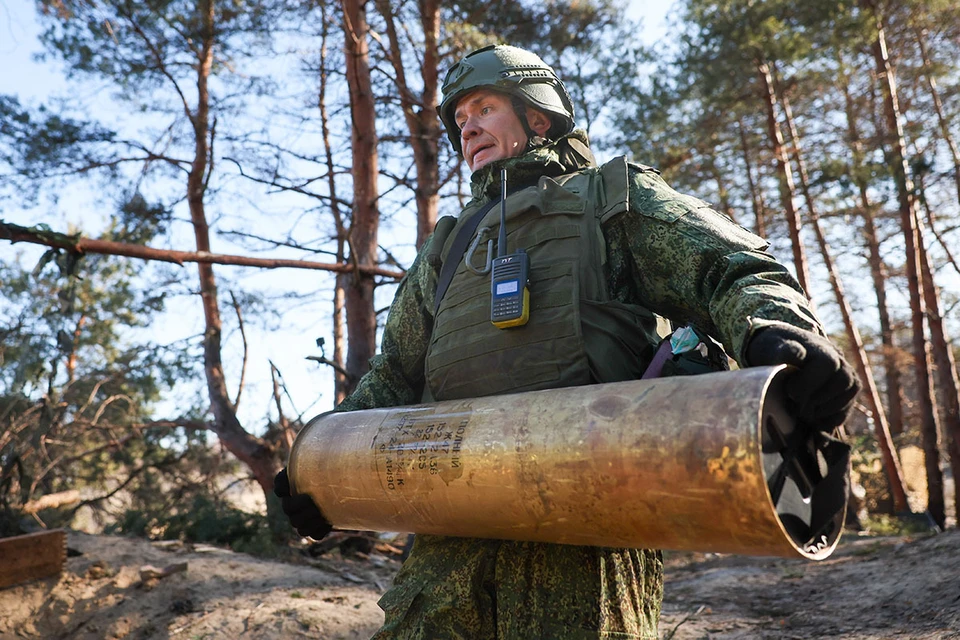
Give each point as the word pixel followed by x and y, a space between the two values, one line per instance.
pixel 334 202
pixel 186 423
pixel 123 485
pixel 336 367
pixel 290 243
pixel 80 245
pixel 243 337
pixel 285 429
pixel 158 58
pixel 106 403
pixel 65 459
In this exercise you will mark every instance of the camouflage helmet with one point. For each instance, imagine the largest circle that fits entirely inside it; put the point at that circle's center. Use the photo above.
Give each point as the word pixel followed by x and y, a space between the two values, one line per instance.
pixel 511 70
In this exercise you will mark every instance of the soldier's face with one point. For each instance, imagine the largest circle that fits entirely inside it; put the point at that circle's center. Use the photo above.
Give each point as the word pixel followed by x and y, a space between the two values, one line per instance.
pixel 489 128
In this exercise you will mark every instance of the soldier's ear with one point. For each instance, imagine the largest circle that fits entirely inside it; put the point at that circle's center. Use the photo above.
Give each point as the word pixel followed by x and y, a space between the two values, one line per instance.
pixel 538 121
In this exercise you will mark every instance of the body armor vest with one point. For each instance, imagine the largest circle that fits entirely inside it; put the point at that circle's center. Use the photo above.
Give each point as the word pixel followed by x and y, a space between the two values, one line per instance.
pixel 576 334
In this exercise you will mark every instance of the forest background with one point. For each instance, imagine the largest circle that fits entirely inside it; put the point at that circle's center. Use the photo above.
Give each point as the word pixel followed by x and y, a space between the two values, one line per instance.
pixel 146 374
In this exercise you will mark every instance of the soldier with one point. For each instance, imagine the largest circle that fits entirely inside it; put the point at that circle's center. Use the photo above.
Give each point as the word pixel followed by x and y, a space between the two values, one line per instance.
pixel 612 251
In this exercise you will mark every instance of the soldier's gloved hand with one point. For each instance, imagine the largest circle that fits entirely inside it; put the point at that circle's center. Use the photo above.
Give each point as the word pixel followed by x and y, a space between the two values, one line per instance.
pixel 304 515
pixel 823 386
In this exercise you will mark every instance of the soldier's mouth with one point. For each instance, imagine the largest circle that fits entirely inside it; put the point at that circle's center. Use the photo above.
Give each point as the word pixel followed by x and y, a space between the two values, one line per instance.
pixel 475 152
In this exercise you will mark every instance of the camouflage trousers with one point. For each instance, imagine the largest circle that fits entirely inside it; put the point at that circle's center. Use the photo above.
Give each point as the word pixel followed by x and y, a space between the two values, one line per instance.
pixel 492 589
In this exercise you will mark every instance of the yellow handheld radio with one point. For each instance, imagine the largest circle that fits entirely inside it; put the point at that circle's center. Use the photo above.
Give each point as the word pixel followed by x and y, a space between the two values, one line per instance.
pixel 509 276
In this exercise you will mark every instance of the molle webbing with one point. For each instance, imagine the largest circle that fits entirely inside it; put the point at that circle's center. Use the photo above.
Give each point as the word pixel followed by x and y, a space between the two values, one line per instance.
pixel 557 222
pixel 460 241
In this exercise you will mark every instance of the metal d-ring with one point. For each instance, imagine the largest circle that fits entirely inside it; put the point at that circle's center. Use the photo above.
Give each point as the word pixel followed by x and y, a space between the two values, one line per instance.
pixel 468 258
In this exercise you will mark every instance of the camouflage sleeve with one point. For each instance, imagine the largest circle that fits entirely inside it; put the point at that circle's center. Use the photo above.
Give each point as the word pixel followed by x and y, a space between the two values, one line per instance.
pixel 678 257
pixel 396 374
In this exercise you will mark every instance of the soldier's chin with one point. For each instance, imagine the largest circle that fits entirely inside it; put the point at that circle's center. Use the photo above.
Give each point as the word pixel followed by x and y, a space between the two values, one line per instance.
pixel 482 159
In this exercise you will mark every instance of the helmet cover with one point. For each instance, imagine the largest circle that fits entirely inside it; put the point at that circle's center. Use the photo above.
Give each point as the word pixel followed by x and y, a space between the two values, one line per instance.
pixel 511 70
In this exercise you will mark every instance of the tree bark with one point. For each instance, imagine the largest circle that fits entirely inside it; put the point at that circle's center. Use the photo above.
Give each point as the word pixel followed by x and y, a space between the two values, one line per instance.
pixel 722 192
pixel 358 292
pixel 248 449
pixel 948 386
pixel 787 188
pixel 908 223
pixel 880 426
pixel 340 379
pixel 756 195
pixel 878 270
pixel 71 364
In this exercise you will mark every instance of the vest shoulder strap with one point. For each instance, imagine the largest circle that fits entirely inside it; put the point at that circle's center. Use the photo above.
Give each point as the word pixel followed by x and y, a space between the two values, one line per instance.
pixel 457 249
pixel 440 234
pixel 613 190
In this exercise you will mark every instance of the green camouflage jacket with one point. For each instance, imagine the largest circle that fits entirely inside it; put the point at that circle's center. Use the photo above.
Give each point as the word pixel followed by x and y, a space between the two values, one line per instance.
pixel 670 253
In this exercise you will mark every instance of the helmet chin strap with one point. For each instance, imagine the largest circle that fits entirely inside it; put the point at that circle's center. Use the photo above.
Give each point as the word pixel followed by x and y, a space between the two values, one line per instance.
pixel 534 139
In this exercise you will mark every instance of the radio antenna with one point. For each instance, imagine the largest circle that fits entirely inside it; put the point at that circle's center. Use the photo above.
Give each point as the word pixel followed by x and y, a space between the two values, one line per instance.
pixel 502 239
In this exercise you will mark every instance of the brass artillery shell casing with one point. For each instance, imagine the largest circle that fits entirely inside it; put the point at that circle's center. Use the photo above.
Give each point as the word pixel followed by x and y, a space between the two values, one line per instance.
pixel 671 463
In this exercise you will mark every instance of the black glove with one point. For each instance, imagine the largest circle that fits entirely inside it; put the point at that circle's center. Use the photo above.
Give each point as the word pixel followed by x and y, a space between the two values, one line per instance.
pixel 304 515
pixel 824 385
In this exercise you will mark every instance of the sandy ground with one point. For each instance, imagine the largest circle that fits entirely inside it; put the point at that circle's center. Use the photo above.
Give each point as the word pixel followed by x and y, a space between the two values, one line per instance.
pixel 870 588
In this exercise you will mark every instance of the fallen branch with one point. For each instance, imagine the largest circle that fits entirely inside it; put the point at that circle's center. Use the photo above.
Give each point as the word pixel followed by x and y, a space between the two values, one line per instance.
pixel 79 245
pixel 690 615
pixel 51 501
pixel 192 425
pixel 150 572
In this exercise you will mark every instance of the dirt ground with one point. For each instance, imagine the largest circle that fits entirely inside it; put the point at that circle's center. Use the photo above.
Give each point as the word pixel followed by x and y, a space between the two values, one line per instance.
pixel 871 588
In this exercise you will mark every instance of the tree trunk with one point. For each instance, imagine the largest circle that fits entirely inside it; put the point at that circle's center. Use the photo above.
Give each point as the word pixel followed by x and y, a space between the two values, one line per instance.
pixel 420 112
pixel 756 195
pixel 878 271
pixel 71 363
pixel 248 449
pixel 787 189
pixel 881 428
pixel 362 240
pixel 428 129
pixel 722 191
pixel 948 385
pixel 908 223
pixel 340 380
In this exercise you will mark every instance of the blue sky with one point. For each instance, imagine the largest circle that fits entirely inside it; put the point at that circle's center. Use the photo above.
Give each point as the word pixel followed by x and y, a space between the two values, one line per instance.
pixel 35 82
pixel 23 76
